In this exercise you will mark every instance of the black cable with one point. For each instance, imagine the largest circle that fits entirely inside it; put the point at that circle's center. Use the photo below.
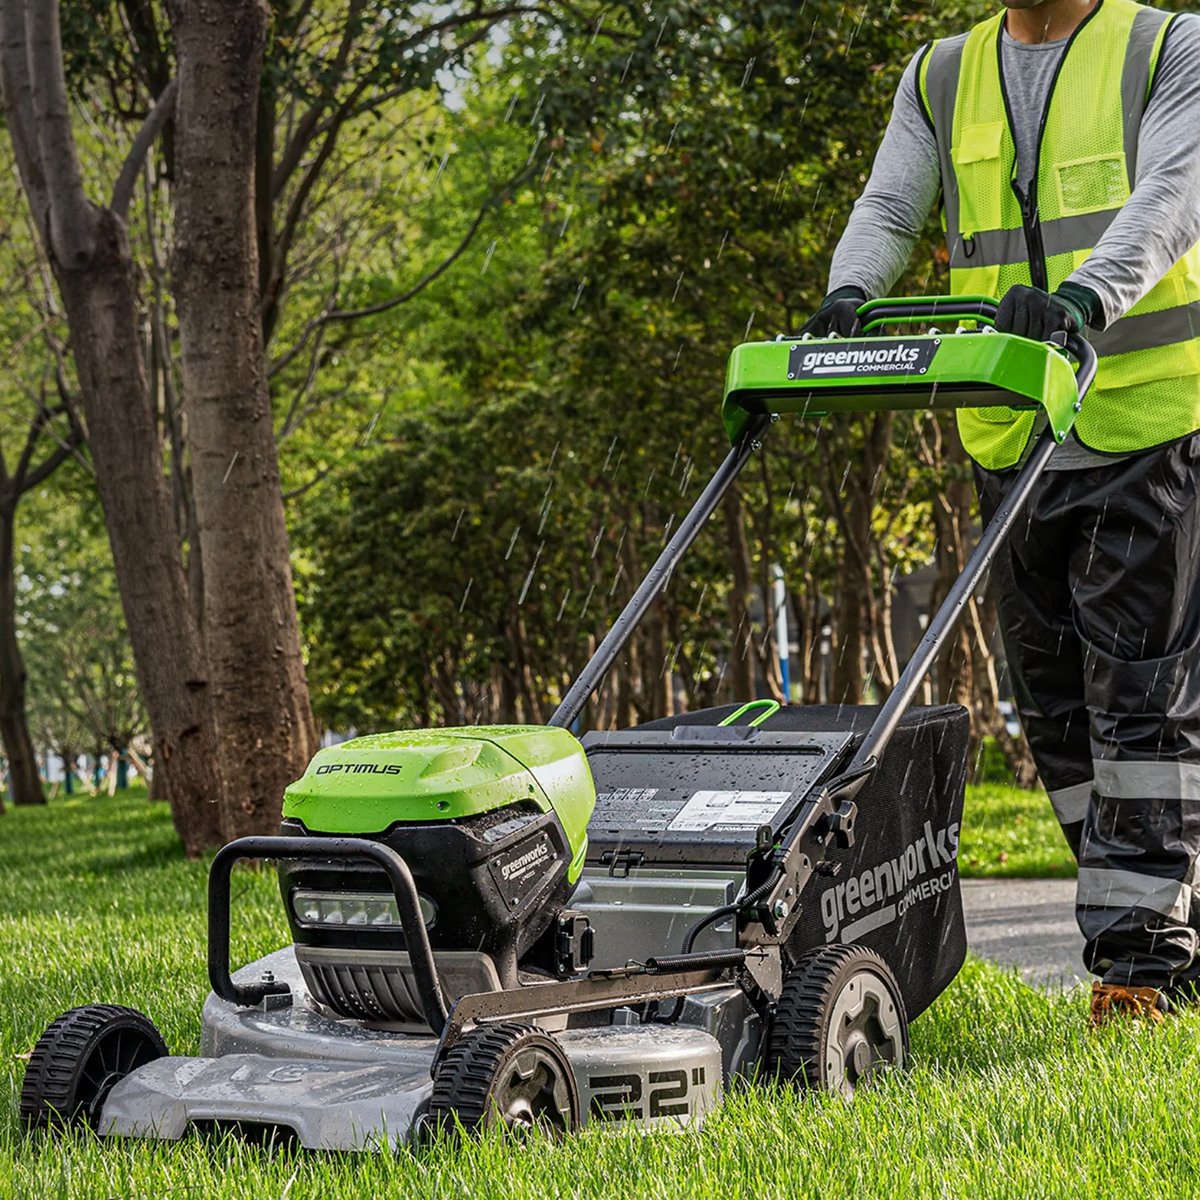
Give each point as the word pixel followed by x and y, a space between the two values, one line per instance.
pixel 708 919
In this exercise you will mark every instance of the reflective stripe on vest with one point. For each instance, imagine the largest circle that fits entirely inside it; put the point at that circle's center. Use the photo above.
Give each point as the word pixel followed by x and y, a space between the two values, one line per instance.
pixel 1147 389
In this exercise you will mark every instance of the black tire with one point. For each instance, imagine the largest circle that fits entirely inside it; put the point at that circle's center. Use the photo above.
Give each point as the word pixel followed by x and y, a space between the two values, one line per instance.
pixel 79 1059
pixel 840 1022
pixel 506 1074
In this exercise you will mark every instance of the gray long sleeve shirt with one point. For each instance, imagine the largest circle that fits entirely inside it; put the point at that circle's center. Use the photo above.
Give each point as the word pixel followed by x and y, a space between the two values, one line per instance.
pixel 1158 224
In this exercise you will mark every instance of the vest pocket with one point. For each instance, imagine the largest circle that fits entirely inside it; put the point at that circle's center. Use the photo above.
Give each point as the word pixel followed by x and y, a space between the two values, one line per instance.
pixel 979 142
pixel 976 155
pixel 1087 185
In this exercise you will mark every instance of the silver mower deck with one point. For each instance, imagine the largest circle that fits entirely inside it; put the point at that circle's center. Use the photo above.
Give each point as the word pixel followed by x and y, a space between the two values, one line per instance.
pixel 342 1085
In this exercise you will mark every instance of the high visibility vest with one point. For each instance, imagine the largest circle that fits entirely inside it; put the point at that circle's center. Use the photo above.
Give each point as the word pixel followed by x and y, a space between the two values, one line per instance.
pixel 1147 388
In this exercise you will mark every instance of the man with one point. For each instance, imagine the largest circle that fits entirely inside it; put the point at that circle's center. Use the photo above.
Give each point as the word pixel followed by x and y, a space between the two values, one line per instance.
pixel 1063 137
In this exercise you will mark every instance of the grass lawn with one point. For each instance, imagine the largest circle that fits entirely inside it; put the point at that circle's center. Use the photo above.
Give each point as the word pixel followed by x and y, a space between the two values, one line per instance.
pixel 1007 1097
pixel 1007 831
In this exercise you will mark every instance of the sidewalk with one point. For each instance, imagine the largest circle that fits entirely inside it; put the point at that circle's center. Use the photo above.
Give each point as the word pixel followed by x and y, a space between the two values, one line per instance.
pixel 1028 924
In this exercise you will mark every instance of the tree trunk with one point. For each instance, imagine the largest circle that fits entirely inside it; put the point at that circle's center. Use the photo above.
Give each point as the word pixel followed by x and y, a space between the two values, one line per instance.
pixel 23 776
pixel 251 630
pixel 102 312
pixel 89 251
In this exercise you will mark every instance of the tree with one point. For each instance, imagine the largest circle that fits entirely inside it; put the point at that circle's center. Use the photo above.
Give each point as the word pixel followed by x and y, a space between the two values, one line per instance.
pixel 83 684
pixel 250 628
pixel 42 425
pixel 87 246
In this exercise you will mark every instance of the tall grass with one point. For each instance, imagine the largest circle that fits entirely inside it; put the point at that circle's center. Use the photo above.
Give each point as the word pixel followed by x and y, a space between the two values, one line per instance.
pixel 1008 1095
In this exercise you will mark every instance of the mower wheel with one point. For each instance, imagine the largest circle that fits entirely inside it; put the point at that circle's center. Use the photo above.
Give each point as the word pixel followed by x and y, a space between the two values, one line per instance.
pixel 839 1023
pixel 508 1075
pixel 80 1058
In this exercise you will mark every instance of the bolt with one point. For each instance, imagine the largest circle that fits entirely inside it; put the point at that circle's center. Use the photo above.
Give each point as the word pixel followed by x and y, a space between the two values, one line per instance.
pixel 780 910
pixel 268 977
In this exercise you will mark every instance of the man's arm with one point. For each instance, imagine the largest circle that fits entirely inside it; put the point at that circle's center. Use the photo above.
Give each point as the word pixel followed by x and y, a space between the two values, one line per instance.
pixel 1161 219
pixel 890 214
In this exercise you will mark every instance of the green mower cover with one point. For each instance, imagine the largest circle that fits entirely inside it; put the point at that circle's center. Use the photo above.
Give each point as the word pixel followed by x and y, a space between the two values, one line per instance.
pixel 971 368
pixel 366 785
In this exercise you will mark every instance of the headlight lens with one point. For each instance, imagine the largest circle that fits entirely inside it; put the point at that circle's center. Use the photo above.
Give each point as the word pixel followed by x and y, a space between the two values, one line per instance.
pixel 353 908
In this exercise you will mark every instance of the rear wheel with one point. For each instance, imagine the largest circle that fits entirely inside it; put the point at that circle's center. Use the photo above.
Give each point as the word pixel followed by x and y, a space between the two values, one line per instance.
pixel 839 1023
pixel 506 1074
pixel 80 1058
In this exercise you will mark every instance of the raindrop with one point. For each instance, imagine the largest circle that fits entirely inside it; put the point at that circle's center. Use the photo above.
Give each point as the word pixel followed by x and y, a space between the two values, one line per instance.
pixel 487 258
pixel 457 523
pixel 529 577
pixel 512 542
pixel 466 593
pixel 616 579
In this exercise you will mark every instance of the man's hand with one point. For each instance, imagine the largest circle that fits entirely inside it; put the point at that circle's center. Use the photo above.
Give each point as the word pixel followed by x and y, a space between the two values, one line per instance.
pixel 838 314
pixel 1033 313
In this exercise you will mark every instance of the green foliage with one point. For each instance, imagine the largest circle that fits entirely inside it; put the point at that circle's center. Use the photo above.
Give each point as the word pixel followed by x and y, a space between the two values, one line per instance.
pixel 1008 1096
pixel 83 687
pixel 693 175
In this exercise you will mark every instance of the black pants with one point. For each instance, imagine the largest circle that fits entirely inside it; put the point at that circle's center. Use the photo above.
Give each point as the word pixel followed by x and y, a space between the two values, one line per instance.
pixel 1100 612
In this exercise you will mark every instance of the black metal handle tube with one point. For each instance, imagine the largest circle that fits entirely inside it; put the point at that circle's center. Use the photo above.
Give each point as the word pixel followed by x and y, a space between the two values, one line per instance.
pixel 884 725
pixel 320 849
pixel 648 590
pixel 946 306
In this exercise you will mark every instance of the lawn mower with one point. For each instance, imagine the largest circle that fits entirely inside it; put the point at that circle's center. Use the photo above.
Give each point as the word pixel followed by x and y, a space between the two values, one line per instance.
pixel 510 926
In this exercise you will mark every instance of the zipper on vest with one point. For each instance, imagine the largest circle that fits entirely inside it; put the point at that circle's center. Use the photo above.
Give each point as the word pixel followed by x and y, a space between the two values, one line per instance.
pixel 1035 247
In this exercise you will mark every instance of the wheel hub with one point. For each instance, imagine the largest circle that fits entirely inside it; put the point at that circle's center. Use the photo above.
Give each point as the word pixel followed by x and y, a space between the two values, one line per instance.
pixel 865 1033
pixel 534 1093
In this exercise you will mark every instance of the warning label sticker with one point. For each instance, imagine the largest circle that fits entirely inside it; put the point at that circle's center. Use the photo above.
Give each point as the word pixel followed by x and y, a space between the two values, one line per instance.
pixel 728 810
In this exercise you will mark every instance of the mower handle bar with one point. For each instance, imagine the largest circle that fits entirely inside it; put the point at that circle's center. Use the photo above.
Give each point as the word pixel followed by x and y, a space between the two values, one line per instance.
pixel 318 849
pixel 880 311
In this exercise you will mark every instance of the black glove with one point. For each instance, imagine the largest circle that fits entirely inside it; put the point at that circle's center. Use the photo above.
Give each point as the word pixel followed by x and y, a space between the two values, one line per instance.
pixel 1033 313
pixel 838 314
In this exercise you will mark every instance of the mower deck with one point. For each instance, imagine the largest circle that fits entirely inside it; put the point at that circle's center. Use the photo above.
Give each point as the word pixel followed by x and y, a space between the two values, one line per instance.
pixel 340 1085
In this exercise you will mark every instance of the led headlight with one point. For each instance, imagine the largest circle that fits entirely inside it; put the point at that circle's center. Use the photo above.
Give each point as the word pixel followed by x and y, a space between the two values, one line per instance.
pixel 353 908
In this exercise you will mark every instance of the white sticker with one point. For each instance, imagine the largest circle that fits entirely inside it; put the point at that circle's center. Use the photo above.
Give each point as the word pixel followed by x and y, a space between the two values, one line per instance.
pixel 733 810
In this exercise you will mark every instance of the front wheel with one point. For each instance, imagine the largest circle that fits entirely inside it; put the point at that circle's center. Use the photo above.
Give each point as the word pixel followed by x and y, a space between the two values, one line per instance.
pixel 80 1059
pixel 506 1074
pixel 839 1023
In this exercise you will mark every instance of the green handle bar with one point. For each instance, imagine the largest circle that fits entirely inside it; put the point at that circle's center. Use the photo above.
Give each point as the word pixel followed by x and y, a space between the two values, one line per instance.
pixel 772 707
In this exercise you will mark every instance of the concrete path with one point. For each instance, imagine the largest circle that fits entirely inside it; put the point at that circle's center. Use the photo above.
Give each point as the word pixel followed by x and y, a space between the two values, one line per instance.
pixel 1028 924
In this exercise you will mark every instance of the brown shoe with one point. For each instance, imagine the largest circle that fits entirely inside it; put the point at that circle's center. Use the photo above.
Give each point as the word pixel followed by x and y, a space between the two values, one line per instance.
pixel 1114 1002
